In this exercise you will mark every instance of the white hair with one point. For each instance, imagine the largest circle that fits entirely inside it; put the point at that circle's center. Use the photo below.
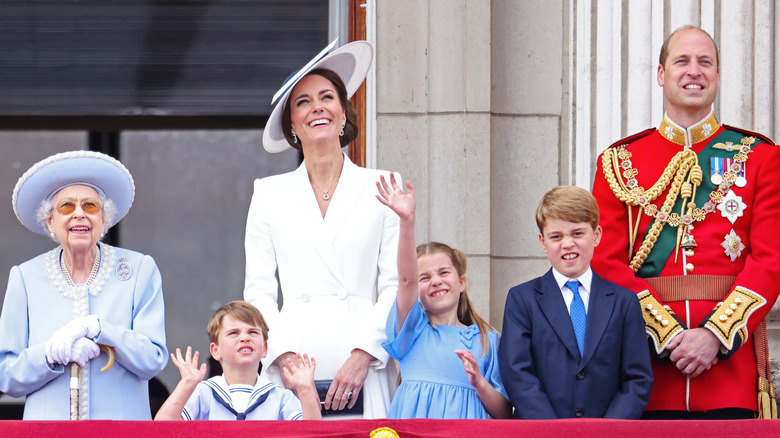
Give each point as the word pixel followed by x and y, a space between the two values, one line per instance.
pixel 46 209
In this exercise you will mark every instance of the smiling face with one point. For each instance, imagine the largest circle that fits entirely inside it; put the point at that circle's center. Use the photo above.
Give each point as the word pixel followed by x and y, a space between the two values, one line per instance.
pixel 569 246
pixel 316 114
pixel 239 345
pixel 439 285
pixel 690 76
pixel 77 230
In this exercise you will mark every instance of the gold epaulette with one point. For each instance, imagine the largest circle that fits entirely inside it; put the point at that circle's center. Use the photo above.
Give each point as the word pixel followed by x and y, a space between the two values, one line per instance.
pixel 660 323
pixel 729 319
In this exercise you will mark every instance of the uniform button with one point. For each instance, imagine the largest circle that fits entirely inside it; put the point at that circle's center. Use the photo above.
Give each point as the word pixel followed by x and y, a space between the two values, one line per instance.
pixel 579 412
pixel 581 375
pixel 305 298
pixel 343 295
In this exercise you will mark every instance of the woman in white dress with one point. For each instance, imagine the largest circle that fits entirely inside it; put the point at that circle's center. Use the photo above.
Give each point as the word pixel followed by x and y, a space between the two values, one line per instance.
pixel 331 243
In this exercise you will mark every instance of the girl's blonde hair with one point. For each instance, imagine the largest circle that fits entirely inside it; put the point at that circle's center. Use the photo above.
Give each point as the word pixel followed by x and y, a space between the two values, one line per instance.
pixel 466 313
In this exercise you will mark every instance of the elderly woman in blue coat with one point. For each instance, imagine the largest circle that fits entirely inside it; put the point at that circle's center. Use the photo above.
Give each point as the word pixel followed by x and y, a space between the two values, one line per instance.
pixel 61 304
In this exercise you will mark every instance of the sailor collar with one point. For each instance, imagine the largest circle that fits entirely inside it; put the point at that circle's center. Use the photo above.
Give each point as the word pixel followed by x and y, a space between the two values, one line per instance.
pixel 697 132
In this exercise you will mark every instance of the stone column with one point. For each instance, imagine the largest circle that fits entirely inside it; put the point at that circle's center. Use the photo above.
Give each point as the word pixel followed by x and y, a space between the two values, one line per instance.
pixel 433 121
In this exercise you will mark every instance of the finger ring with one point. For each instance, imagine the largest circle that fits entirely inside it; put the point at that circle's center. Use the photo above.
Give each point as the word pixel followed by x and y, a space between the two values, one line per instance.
pixel 348 394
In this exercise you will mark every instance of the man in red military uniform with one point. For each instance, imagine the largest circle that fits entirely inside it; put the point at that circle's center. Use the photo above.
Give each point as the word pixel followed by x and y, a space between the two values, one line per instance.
pixel 689 213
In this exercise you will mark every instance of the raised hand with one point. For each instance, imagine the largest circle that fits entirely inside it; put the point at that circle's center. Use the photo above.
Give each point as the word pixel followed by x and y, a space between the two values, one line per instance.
pixel 393 196
pixel 188 366
pixel 300 372
pixel 471 367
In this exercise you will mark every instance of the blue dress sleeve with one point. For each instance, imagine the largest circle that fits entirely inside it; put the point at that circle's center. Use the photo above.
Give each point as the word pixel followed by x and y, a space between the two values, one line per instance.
pixel 491 371
pixel 398 346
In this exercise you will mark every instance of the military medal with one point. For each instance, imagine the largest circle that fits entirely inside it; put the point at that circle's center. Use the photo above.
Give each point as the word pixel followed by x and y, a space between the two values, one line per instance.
pixel 741 180
pixel 732 206
pixel 716 179
pixel 732 245
pixel 717 166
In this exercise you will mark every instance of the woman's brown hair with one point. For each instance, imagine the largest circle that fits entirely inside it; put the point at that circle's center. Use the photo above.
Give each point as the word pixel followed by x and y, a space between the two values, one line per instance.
pixel 350 128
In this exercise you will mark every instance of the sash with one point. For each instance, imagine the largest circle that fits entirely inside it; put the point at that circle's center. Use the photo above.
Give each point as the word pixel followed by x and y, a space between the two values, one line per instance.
pixel 667 240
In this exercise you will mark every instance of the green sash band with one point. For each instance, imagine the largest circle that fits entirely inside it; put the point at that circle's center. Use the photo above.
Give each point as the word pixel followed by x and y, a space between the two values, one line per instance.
pixel 667 239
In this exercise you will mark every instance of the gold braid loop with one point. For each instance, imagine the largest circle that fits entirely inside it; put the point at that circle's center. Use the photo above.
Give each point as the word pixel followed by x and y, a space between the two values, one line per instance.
pixel 624 191
pixel 687 190
pixel 696 174
pixel 684 174
pixel 687 160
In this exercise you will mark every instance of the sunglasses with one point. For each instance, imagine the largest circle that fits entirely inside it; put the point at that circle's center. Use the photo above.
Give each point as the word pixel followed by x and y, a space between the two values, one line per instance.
pixel 88 206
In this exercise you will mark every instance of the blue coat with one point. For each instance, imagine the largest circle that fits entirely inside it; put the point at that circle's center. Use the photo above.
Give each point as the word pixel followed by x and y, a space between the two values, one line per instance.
pixel 541 367
pixel 131 315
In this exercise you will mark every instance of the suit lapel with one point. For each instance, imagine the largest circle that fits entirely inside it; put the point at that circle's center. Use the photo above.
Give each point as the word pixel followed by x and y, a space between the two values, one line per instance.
pixel 344 200
pixel 600 306
pixel 551 302
pixel 321 235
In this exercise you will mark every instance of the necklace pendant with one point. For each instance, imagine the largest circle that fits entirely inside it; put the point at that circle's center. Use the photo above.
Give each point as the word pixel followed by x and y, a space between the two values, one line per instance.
pixel 325 195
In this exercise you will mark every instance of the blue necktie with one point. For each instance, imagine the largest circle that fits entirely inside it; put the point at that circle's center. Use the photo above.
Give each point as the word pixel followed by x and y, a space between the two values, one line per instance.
pixel 577 313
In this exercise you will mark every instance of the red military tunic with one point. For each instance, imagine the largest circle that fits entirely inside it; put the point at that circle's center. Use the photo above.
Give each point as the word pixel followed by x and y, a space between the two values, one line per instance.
pixel 746 249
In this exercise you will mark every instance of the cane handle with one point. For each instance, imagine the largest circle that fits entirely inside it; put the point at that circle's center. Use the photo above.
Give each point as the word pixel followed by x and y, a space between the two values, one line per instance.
pixel 110 352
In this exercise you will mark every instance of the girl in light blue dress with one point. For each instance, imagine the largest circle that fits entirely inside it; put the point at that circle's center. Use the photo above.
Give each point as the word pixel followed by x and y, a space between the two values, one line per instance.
pixel 447 353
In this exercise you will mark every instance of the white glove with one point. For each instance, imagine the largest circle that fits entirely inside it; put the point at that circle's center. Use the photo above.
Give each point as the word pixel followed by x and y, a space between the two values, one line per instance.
pixel 58 347
pixel 84 350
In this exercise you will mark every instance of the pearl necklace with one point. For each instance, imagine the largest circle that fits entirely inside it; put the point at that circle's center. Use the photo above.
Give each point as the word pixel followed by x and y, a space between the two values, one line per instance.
pixel 92 273
pixel 62 281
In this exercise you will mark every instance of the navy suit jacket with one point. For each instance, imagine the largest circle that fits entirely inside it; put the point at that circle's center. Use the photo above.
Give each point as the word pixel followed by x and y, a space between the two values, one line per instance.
pixel 543 372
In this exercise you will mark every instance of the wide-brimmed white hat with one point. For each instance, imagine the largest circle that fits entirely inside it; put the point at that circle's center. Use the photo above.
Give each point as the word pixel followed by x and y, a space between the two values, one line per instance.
pixel 47 177
pixel 351 62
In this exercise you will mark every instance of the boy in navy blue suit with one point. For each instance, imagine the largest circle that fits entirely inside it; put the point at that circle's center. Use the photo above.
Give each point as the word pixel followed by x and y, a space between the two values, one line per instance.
pixel 574 344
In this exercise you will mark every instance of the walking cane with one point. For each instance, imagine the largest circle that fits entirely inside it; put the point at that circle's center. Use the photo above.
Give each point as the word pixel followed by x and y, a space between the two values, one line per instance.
pixel 74 381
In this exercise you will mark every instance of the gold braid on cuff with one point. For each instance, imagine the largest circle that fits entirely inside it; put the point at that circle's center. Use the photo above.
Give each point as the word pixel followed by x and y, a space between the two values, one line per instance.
pixel 660 322
pixel 729 319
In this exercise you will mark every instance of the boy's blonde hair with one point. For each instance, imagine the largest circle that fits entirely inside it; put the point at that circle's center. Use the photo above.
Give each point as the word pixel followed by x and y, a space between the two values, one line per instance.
pixel 240 310
pixel 568 203
pixel 466 313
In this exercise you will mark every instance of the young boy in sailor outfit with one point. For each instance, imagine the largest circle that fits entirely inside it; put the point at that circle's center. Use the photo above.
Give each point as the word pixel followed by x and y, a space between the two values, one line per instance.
pixel 239 340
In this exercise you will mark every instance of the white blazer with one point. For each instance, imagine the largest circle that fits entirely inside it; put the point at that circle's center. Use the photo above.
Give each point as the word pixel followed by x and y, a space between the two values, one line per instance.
pixel 338 274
